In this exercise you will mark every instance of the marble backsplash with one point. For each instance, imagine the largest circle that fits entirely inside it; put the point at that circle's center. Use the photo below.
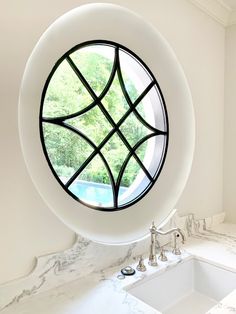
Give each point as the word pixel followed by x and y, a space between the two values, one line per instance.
pixel 85 257
pixel 56 269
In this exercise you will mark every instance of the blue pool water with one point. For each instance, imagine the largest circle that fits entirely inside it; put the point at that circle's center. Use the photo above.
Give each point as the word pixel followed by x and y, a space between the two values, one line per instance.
pixel 94 193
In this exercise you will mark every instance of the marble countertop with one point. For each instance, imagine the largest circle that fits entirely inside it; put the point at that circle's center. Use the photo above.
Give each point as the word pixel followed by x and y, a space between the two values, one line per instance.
pixel 100 293
pixel 217 245
pixel 226 306
pixel 103 293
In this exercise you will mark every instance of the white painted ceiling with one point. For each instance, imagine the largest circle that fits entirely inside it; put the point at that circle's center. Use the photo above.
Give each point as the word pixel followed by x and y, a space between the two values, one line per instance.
pixel 230 3
pixel 223 11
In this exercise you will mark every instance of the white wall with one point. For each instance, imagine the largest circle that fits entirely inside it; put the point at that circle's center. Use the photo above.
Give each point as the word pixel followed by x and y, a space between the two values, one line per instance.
pixel 27 227
pixel 230 126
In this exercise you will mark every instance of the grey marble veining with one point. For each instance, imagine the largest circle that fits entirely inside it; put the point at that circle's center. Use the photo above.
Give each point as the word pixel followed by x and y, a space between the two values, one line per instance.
pixel 53 270
pixel 86 258
pixel 222 309
pixel 226 306
pixel 208 230
pixel 100 293
pixel 83 258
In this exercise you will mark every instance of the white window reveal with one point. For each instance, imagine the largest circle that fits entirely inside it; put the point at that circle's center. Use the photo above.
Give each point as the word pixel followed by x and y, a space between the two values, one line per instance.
pixel 106 123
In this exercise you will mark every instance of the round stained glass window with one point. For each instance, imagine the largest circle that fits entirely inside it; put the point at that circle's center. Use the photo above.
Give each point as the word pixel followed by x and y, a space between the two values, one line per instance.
pixel 103 125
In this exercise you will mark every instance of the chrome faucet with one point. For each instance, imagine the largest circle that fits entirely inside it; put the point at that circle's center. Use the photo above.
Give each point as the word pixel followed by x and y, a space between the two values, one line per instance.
pixel 176 249
pixel 153 247
pixel 154 242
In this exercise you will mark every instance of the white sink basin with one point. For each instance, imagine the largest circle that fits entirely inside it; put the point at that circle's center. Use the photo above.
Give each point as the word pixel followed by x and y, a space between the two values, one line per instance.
pixel 192 286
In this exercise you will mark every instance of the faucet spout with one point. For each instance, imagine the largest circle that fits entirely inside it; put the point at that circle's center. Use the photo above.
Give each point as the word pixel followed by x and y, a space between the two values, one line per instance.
pixel 173 230
pixel 154 242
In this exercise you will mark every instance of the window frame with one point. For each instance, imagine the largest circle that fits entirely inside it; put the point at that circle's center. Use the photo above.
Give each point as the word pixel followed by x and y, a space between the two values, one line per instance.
pixel 97 100
pixel 118 24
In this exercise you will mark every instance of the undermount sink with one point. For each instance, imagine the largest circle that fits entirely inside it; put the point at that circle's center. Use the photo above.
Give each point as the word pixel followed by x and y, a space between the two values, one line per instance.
pixel 192 286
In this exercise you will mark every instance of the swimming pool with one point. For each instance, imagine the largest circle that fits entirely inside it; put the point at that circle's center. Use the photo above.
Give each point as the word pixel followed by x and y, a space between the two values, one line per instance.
pixel 94 193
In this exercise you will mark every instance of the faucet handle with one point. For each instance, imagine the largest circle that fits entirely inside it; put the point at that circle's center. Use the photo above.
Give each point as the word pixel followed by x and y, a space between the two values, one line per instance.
pixel 141 267
pixel 162 257
pixel 153 228
pixel 176 249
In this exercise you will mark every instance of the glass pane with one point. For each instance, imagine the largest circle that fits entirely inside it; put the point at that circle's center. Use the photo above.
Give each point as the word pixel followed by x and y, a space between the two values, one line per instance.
pixel 114 101
pixel 151 108
pixel 133 129
pixel 95 62
pixel 135 77
pixel 69 151
pixel 65 93
pixel 142 150
pixel 130 173
pixel 93 124
pixel 134 180
pixel 66 150
pixel 93 185
pixel 151 153
pixel 115 153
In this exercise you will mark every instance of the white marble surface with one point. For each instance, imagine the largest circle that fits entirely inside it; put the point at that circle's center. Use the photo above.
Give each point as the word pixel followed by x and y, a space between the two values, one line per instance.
pixel 226 306
pixel 83 258
pixel 100 292
pixel 217 245
pixel 91 295
pixel 52 270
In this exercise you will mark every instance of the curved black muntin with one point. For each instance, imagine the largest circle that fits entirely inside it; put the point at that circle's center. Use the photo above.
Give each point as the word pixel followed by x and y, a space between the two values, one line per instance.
pixel 97 101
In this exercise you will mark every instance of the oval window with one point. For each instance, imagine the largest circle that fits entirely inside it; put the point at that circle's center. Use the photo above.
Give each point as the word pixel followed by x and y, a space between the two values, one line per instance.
pixel 103 125
pixel 91 103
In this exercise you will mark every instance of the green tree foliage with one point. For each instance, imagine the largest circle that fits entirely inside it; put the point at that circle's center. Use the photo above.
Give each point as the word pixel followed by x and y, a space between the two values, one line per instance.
pixel 66 95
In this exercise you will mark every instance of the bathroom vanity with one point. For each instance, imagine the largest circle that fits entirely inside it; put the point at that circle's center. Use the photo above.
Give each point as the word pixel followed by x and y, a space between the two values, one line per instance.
pixel 209 254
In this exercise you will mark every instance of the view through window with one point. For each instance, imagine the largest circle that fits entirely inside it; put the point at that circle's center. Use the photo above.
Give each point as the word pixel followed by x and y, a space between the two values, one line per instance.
pixel 104 125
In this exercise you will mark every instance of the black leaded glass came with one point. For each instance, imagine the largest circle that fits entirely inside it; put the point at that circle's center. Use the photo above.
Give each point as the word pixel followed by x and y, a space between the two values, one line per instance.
pixel 103 125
